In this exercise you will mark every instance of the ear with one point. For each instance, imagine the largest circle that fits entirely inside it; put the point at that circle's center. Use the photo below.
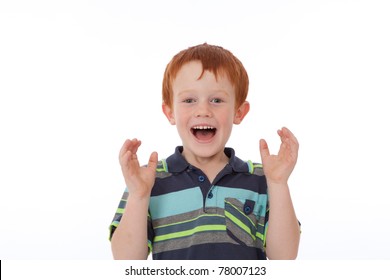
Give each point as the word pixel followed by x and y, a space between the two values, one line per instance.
pixel 168 112
pixel 241 112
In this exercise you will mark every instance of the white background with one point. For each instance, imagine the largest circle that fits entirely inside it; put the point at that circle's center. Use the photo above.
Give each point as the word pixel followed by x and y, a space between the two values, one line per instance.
pixel 79 77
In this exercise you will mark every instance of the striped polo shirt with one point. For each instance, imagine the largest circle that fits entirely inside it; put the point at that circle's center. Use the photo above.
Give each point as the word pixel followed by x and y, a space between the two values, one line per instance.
pixel 192 218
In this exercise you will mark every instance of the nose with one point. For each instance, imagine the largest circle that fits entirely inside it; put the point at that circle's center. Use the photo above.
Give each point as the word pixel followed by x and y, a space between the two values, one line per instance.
pixel 203 110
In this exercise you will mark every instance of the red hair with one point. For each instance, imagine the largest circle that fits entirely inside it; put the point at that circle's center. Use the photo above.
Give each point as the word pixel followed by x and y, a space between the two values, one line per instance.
pixel 214 59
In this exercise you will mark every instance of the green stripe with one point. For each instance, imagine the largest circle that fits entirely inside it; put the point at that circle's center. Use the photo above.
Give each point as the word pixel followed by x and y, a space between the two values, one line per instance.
pixel 111 229
pixel 265 235
pixel 164 162
pixel 120 210
pixel 114 223
pixel 191 220
pixel 262 225
pixel 250 166
pixel 240 224
pixel 190 232
pixel 260 236
pixel 163 168
pixel 241 213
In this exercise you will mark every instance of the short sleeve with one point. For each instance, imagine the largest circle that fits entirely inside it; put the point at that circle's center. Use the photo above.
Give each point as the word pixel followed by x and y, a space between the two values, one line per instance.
pixel 266 226
pixel 118 214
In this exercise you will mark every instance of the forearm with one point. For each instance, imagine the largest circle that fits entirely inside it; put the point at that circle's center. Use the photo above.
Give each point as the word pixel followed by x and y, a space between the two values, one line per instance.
pixel 129 240
pixel 282 240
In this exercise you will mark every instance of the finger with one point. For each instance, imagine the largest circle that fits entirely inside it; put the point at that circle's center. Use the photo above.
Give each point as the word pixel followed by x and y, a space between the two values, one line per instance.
pixel 153 159
pixel 289 145
pixel 133 158
pixel 124 159
pixel 291 135
pixel 128 153
pixel 293 144
pixel 124 154
pixel 264 150
pixel 284 133
pixel 284 148
pixel 288 151
pixel 124 148
pixel 135 143
pixel 129 145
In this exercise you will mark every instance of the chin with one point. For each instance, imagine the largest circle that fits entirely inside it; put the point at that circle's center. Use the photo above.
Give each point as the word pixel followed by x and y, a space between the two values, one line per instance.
pixel 205 151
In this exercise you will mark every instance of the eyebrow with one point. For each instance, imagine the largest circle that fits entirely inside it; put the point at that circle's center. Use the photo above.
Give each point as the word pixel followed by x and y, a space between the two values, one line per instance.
pixel 210 91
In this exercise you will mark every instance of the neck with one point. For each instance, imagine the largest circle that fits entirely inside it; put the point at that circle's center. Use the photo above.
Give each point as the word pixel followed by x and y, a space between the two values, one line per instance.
pixel 211 166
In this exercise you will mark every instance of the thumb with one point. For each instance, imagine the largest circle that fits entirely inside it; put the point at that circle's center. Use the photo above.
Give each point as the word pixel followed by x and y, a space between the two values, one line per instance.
pixel 153 159
pixel 264 150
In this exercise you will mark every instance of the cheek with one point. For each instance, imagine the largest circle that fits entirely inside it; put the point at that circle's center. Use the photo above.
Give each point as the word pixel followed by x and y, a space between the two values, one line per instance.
pixel 228 117
pixel 181 116
pixel 227 124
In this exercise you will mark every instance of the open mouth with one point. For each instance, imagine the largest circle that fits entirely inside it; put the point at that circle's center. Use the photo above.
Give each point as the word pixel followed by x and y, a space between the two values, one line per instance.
pixel 203 133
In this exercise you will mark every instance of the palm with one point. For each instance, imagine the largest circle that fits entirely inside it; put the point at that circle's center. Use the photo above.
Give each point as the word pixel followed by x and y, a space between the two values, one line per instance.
pixel 277 168
pixel 138 179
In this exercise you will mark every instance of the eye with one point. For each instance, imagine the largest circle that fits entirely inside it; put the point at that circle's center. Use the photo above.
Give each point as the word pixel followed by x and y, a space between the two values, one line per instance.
pixel 189 100
pixel 216 100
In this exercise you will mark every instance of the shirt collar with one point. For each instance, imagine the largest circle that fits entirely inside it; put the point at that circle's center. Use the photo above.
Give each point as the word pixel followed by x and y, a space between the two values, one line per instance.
pixel 176 163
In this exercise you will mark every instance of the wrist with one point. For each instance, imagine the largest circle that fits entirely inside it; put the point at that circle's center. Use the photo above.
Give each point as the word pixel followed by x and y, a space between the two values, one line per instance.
pixel 139 195
pixel 275 184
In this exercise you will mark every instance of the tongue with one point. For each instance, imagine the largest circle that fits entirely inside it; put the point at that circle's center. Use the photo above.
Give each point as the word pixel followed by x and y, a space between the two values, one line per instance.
pixel 204 134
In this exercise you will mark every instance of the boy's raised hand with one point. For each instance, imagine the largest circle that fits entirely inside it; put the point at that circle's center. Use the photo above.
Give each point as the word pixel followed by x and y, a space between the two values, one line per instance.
pixel 139 180
pixel 277 168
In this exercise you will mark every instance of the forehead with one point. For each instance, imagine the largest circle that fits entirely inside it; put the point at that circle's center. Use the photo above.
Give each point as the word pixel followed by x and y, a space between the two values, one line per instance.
pixel 192 74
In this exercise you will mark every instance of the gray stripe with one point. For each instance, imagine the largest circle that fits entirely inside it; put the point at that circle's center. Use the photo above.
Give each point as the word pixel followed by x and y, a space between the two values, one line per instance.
pixel 122 204
pixel 239 233
pixel 240 206
pixel 186 217
pixel 185 242
pixel 259 171
pixel 243 236
pixel 125 195
pixel 163 174
pixel 187 225
pixel 242 218
pixel 261 225
pixel 117 218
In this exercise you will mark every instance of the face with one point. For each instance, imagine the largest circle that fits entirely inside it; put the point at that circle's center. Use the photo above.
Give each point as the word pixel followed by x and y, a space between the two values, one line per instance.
pixel 203 111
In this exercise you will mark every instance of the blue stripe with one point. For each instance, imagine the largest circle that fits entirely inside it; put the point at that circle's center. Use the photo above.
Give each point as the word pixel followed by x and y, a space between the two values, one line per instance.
pixel 187 200
pixel 175 203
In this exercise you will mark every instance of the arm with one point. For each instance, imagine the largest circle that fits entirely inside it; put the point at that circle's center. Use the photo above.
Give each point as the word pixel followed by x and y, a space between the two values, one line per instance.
pixel 283 229
pixel 129 240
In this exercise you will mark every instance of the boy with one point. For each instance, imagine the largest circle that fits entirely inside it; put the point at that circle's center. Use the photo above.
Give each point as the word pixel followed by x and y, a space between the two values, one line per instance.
pixel 203 202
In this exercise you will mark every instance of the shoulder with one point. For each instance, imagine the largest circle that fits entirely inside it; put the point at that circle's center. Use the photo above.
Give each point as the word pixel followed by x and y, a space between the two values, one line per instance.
pixel 243 166
pixel 162 169
pixel 255 168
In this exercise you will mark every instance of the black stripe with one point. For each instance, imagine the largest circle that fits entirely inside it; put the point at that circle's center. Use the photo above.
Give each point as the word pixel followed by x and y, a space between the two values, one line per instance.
pixel 214 251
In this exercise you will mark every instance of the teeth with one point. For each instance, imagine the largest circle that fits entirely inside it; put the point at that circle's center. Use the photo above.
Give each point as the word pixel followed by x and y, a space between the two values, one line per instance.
pixel 203 127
